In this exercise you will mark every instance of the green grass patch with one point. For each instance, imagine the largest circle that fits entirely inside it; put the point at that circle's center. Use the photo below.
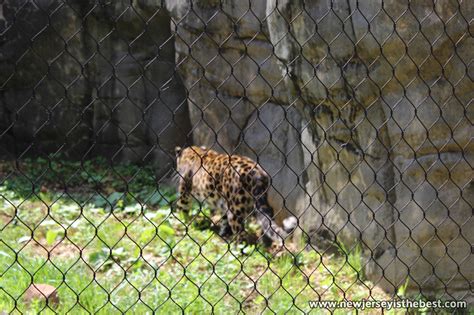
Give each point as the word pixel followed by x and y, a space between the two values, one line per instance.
pixel 107 239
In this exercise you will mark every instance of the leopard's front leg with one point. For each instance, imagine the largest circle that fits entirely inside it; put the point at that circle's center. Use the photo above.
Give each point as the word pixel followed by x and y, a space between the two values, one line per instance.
pixel 235 218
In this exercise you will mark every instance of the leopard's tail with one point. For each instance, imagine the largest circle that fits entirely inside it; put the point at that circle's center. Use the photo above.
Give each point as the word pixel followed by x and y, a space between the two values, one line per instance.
pixel 272 232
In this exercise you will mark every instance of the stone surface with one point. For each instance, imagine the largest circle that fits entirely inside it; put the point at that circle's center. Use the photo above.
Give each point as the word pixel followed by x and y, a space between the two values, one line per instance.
pixel 363 123
pixel 389 132
pixel 98 80
pixel 42 292
pixel 237 102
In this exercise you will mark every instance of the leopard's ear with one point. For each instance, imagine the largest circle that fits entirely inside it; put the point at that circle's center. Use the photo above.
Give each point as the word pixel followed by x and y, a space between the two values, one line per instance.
pixel 177 151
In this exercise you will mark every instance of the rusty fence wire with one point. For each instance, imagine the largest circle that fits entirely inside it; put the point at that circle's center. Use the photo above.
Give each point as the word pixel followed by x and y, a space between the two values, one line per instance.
pixel 355 119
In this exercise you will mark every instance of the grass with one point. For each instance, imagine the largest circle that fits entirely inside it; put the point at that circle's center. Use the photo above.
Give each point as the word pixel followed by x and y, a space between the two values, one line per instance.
pixel 106 238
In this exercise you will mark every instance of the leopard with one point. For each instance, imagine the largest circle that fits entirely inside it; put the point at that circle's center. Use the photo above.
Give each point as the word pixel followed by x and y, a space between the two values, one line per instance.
pixel 233 184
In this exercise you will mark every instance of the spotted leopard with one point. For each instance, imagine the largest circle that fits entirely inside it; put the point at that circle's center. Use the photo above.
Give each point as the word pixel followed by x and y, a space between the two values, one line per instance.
pixel 234 184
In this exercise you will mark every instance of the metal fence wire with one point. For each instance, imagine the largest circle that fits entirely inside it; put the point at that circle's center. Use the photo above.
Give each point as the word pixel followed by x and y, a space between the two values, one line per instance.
pixel 357 114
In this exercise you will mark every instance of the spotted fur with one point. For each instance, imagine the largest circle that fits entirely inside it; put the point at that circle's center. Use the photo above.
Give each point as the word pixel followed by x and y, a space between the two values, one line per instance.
pixel 234 184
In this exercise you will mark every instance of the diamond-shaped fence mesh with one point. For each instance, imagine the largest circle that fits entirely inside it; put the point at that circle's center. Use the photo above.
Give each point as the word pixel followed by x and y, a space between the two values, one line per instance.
pixel 324 154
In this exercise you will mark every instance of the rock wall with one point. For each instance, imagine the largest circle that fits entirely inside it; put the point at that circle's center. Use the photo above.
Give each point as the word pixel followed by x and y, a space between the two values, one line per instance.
pixel 363 122
pixel 237 100
pixel 87 78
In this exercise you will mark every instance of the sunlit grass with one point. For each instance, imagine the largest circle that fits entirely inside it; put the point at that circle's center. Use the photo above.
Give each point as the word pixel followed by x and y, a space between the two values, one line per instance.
pixel 114 252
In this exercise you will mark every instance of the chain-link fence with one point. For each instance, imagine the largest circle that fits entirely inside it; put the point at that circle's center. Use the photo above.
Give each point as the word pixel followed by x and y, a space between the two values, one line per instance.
pixel 354 118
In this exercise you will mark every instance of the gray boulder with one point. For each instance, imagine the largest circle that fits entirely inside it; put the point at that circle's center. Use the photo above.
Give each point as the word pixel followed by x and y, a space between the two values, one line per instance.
pixel 237 100
pixel 389 122
pixel 363 122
